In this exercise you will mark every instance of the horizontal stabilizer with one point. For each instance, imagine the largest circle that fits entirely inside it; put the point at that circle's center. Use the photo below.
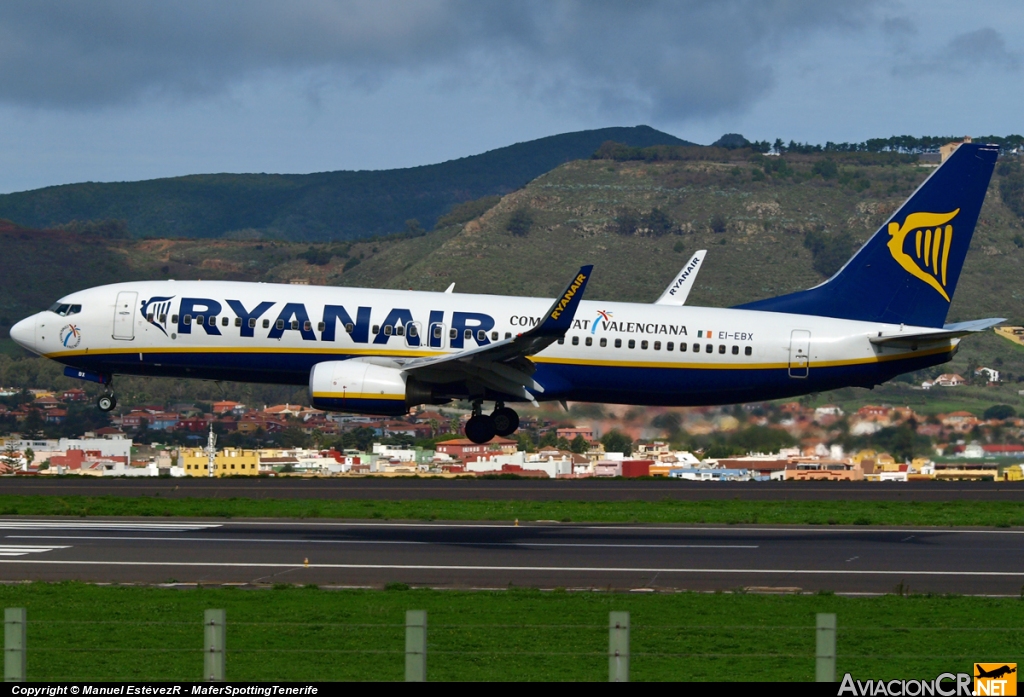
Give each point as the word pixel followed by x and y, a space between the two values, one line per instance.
pixel 916 338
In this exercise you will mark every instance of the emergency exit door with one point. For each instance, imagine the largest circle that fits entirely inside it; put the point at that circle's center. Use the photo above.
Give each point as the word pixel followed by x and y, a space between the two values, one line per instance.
pixel 799 353
pixel 124 315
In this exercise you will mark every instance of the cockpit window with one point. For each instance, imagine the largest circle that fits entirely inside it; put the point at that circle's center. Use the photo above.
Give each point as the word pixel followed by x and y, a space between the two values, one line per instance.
pixel 65 309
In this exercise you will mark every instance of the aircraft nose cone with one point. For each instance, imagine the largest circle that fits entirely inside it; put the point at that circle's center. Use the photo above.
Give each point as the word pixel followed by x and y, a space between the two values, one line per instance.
pixel 24 332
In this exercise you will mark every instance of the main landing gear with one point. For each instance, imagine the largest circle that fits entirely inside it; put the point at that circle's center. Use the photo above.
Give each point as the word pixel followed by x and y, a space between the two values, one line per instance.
pixel 107 401
pixel 483 427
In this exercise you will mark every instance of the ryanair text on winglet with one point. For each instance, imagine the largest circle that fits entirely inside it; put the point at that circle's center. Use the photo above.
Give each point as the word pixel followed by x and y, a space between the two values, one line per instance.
pixel 567 298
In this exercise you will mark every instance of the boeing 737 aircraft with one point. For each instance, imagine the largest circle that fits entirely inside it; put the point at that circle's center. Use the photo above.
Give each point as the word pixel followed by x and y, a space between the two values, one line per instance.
pixel 384 351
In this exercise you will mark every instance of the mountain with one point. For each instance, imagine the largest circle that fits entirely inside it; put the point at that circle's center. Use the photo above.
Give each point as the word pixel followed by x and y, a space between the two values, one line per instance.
pixel 317 207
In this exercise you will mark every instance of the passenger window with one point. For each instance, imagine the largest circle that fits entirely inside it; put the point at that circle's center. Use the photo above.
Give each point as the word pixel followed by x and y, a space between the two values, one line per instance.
pixel 295 324
pixel 590 341
pixel 279 324
pixel 632 343
pixel 399 330
pixel 238 321
pixel 224 321
pixel 149 317
pixel 494 336
pixel 657 345
pixel 187 319
pixel 508 335
pixel 481 335
pixel 266 323
pixel 413 333
pixel 163 319
pixel 747 351
pixel 721 348
pixel 376 329
pixel 453 333
pixel 604 342
pixel 388 330
pixel 437 331
pixel 709 349
pixel 696 348
pixel 199 320
pixel 174 319
pixel 735 350
pixel 307 326
pixel 618 343
pixel 575 341
pixel 252 323
pixel 350 327
pixel 643 344
pixel 212 321
pixel 320 326
pixel 467 333
pixel 561 339
pixel 670 346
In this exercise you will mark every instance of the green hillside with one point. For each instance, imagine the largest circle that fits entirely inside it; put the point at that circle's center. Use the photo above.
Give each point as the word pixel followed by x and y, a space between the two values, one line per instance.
pixel 772 225
pixel 324 206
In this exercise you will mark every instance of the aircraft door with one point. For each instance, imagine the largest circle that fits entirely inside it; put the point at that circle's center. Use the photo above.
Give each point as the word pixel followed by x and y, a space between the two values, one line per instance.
pixel 124 315
pixel 799 353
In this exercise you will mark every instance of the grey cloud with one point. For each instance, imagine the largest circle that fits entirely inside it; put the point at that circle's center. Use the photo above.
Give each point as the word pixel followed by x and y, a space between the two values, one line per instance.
pixel 981 48
pixel 665 58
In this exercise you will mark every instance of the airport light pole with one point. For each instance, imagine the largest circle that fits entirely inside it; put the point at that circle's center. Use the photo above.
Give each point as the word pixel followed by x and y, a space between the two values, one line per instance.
pixel 211 452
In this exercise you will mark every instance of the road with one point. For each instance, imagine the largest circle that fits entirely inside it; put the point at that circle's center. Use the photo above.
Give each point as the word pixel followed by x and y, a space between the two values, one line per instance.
pixel 534 490
pixel 495 555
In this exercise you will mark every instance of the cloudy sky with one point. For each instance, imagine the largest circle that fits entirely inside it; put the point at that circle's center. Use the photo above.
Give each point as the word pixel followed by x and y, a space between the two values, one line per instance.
pixel 108 90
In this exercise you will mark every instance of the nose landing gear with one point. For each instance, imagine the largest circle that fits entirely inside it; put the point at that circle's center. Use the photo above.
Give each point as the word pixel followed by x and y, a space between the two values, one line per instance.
pixel 483 427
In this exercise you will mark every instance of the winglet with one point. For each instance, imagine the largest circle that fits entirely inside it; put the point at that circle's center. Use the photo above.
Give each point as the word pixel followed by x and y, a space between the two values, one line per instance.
pixel 559 316
pixel 679 289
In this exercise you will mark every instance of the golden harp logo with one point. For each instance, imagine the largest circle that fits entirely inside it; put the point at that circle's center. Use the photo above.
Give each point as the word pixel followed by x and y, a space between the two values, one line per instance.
pixel 930 240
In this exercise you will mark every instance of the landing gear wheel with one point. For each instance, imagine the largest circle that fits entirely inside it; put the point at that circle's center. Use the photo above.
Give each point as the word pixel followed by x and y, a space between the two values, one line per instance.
pixel 506 421
pixel 106 402
pixel 480 429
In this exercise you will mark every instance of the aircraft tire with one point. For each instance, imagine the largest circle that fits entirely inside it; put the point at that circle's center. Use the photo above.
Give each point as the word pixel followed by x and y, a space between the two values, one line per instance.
pixel 480 428
pixel 506 421
pixel 106 402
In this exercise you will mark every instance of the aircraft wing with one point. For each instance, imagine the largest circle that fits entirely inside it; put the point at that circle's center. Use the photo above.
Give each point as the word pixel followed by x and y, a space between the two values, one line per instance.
pixel 504 365
pixel 680 287
pixel 948 331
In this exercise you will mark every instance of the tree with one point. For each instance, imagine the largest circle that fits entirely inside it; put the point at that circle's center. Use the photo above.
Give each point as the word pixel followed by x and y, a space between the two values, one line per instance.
pixel 549 440
pixel 10 456
pixel 579 445
pixel 520 222
pixel 29 455
pixel 413 228
pixel 718 223
pixel 1000 412
pixel 658 223
pixel 627 221
pixel 616 442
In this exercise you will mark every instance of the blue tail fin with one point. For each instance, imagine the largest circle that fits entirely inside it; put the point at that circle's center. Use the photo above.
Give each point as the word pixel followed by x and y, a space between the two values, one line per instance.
pixel 907 272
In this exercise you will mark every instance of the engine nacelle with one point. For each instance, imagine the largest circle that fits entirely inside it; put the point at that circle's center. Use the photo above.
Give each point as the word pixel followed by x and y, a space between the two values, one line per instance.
pixel 362 387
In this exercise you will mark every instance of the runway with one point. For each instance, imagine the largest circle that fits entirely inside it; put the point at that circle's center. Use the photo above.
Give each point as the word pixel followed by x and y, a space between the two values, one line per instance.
pixel 497 555
pixel 394 488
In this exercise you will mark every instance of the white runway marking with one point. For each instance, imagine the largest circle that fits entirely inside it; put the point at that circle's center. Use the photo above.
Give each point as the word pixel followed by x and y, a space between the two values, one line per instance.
pixel 7 524
pixel 560 569
pixel 22 550
pixel 374 542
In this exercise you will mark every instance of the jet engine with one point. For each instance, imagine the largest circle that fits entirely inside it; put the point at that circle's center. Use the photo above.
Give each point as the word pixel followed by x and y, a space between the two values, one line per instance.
pixel 363 387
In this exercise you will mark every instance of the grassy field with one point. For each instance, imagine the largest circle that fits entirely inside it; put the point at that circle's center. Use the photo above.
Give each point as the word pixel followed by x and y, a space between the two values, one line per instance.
pixel 80 632
pixel 731 512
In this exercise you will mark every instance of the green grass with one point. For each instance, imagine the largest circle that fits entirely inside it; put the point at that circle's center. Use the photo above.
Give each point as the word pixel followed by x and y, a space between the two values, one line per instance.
pixel 940 513
pixel 80 632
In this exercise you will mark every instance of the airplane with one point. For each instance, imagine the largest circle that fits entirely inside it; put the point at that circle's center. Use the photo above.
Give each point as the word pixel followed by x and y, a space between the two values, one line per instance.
pixel 383 352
